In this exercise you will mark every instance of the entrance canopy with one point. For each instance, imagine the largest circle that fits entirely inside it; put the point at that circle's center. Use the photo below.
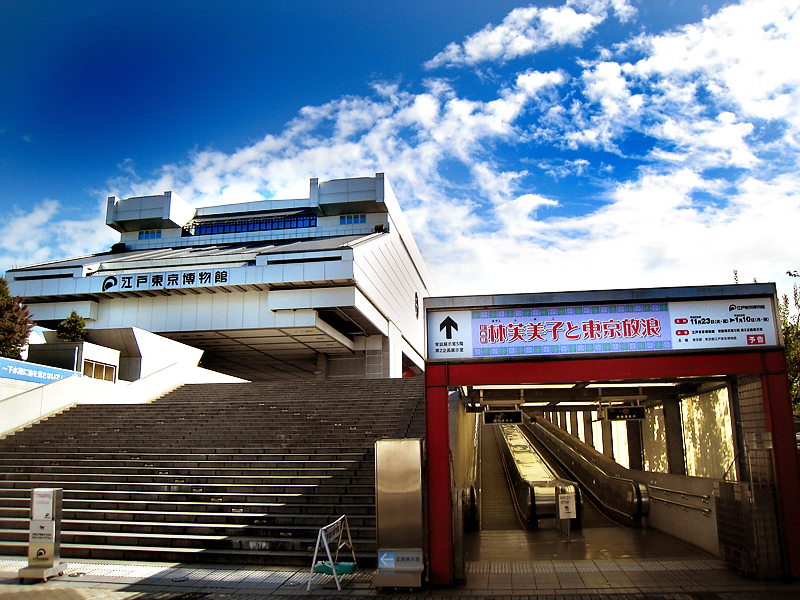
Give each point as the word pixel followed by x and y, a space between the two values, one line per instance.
pixel 568 351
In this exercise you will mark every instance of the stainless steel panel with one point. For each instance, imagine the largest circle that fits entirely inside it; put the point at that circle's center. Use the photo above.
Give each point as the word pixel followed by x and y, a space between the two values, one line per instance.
pixel 398 493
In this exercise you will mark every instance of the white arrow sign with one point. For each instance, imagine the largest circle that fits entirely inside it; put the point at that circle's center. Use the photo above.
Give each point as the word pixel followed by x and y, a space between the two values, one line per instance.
pixel 386 560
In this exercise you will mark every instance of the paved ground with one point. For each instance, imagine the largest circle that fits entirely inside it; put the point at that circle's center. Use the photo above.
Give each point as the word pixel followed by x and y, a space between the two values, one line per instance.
pixel 575 580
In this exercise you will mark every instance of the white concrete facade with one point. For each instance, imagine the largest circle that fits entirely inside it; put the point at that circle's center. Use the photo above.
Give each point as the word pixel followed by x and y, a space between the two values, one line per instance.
pixel 326 286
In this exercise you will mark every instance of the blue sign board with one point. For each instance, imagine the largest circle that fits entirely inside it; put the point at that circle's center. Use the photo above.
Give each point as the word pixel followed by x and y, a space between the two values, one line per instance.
pixel 24 371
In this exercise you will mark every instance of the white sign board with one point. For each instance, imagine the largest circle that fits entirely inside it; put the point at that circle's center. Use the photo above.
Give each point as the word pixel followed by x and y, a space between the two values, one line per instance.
pixel 42 532
pixel 567 508
pixel 42 505
pixel 601 329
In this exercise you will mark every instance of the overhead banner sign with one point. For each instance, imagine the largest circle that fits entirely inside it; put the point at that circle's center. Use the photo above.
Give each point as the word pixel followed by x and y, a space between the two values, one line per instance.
pixel 600 329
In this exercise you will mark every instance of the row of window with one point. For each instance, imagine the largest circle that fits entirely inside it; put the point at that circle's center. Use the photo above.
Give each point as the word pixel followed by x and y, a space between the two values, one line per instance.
pixel 352 219
pixel 97 370
pixel 259 224
pixel 245 225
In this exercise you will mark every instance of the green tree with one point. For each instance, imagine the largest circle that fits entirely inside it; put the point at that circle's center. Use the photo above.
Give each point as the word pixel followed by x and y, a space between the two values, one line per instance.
pixel 15 323
pixel 790 323
pixel 73 328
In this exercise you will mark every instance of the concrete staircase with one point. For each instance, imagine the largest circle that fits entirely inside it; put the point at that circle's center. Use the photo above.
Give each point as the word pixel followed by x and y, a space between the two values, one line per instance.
pixel 240 473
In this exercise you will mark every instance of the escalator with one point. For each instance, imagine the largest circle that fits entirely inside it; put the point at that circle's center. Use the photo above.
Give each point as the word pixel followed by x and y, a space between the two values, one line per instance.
pixel 501 537
pixel 497 505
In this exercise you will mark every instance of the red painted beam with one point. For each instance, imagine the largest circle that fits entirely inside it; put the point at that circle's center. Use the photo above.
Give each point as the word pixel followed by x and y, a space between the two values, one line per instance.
pixel 596 369
pixel 780 421
pixel 440 520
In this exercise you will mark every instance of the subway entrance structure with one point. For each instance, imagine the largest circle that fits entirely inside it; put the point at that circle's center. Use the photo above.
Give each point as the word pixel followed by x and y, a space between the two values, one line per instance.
pixel 700 371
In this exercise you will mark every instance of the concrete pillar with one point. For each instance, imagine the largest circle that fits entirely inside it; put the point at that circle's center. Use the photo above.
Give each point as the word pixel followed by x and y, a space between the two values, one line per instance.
pixel 573 422
pixel 377 349
pixel 735 411
pixel 322 367
pixel 673 435
pixel 394 360
pixel 635 456
pixel 588 433
pixel 608 439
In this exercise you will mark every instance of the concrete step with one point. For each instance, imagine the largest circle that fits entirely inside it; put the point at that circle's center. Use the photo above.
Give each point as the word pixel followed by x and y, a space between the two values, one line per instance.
pixel 13 517
pixel 181 485
pixel 186 555
pixel 233 473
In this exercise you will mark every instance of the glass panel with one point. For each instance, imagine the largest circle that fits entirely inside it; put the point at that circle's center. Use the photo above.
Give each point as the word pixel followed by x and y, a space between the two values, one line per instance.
pixel 88 366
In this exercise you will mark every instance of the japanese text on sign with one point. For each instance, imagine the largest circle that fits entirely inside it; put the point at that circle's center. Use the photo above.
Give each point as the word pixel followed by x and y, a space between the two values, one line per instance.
pixel 570 329
pixel 164 280
pixel 553 331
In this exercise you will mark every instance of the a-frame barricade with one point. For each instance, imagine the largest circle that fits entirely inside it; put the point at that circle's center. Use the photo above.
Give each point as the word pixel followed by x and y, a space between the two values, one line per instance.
pixel 332 536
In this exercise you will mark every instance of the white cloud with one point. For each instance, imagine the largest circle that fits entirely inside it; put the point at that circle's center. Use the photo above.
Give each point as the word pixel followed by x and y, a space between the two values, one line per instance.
pixel 564 168
pixel 41 234
pixel 744 55
pixel 703 94
pixel 742 58
pixel 526 31
pixel 24 236
pixel 707 143
pixel 651 234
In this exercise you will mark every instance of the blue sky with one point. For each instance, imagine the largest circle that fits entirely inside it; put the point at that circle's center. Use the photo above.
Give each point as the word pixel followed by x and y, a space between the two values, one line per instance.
pixel 582 144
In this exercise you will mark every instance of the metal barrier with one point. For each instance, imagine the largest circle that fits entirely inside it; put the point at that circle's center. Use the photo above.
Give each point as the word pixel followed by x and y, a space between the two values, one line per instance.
pixel 535 487
pixel 333 535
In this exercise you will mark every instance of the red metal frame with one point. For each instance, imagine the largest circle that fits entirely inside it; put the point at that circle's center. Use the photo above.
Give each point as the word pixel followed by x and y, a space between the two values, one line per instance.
pixel 770 364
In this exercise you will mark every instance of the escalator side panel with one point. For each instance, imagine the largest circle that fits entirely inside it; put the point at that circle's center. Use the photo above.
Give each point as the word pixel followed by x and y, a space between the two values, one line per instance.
pixel 619 497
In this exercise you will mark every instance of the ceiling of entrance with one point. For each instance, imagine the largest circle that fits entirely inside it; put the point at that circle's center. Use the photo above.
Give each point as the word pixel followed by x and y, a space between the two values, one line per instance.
pixel 589 395
pixel 265 354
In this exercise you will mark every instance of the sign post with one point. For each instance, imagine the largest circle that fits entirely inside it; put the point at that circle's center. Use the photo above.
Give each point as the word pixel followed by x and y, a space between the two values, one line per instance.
pixel 44 541
pixel 567 510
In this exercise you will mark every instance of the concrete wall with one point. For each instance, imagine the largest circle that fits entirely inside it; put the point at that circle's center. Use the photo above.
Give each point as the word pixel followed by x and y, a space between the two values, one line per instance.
pixel 683 507
pixel 12 387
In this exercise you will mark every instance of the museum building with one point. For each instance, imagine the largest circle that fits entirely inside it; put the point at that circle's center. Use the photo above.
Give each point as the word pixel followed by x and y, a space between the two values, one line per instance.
pixel 329 286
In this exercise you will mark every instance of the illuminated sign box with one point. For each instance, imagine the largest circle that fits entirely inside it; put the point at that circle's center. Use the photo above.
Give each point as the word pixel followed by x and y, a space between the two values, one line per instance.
pixel 502 417
pixel 625 413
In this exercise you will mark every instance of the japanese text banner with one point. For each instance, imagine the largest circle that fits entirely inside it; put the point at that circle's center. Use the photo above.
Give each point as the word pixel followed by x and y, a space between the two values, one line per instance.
pixel 608 328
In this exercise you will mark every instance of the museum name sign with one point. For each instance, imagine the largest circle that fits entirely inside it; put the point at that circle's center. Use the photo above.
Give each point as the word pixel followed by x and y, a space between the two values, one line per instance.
pixel 161 280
